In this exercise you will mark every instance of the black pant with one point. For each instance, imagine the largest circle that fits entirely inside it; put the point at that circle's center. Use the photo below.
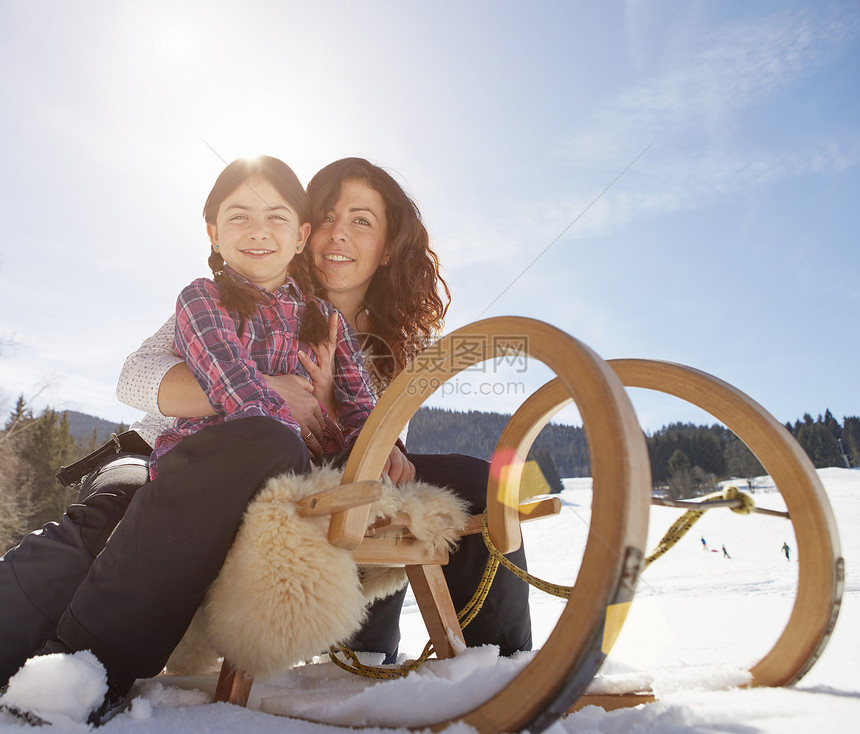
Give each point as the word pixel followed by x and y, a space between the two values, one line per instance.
pixel 141 592
pixel 129 593
pixel 132 605
pixel 39 576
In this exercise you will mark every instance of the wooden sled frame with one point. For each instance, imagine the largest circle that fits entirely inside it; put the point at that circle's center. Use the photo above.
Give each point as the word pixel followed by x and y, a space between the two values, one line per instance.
pixel 821 567
pixel 553 682
pixel 586 629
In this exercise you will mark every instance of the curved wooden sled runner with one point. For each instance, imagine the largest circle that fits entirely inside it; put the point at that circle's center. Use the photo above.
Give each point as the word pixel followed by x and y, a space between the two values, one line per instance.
pixel 577 646
pixel 821 567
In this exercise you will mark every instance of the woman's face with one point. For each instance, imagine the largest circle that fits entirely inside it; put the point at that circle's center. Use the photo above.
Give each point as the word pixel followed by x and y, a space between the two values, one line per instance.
pixel 350 243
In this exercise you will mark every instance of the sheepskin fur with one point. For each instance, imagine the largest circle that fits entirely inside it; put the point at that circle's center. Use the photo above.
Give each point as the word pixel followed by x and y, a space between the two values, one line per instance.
pixel 285 594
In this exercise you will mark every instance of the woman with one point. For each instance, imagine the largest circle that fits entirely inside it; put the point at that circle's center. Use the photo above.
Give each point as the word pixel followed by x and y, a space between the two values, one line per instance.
pixel 373 261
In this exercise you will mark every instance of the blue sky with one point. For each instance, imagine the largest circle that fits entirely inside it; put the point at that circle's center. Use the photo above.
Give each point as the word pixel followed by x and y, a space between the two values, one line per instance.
pixel 670 180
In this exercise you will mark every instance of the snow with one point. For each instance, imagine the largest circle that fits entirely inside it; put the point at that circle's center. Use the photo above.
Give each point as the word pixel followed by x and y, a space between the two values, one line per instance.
pixel 62 688
pixel 698 622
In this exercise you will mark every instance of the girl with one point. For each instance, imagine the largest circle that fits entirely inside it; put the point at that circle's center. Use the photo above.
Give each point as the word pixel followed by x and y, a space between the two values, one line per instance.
pixel 253 318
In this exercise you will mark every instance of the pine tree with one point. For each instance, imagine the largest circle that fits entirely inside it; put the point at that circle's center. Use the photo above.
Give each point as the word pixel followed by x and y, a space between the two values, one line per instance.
pixel 20 416
pixel 548 468
pixel 851 439
pixel 16 501
pixel 832 425
pixel 475 433
pixel 49 446
pixel 90 443
pixel 741 462
pixel 819 442
pixel 681 480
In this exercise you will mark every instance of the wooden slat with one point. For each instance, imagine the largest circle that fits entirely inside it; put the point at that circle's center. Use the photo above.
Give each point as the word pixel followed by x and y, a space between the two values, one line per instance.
pixel 399 523
pixel 234 686
pixel 339 499
pixel 531 510
pixel 431 592
pixel 396 552
pixel 346 529
pixel 538 508
pixel 612 701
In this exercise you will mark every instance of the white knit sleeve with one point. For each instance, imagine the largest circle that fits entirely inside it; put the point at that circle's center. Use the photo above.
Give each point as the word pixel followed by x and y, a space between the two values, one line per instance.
pixel 145 368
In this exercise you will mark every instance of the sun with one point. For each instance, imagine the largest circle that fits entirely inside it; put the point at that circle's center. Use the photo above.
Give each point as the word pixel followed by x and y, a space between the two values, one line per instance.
pixel 178 42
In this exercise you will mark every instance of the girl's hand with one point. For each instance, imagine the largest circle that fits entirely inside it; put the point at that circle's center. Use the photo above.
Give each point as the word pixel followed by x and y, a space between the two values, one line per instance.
pixel 398 467
pixel 298 394
pixel 321 372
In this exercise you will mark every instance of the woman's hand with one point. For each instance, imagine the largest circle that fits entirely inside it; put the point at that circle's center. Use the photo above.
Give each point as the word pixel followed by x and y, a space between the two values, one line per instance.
pixel 321 372
pixel 298 394
pixel 398 467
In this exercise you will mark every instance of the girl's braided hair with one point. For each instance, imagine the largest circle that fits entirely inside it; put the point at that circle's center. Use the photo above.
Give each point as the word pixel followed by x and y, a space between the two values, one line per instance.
pixel 243 298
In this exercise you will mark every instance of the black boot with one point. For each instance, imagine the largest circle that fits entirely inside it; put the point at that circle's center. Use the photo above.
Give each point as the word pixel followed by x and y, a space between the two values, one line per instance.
pixel 116 700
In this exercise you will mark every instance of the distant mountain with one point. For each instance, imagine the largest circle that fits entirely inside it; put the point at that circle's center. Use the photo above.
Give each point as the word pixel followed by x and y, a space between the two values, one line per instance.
pixel 81 426
pixel 559 450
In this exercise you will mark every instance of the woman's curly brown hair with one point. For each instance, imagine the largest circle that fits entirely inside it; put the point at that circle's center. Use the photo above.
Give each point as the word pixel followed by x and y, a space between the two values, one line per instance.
pixel 403 310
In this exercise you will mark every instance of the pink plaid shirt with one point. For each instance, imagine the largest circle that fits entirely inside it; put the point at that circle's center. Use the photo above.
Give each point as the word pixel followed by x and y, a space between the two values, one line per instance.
pixel 230 366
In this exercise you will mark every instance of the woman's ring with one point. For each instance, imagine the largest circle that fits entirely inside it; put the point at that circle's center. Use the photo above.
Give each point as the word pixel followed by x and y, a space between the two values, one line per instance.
pixel 308 437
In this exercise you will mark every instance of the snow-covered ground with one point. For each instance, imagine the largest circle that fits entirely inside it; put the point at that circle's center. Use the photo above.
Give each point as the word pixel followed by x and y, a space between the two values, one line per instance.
pixel 700 619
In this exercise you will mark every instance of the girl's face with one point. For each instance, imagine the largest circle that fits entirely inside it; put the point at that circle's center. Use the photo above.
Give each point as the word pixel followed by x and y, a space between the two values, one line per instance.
pixel 349 244
pixel 258 233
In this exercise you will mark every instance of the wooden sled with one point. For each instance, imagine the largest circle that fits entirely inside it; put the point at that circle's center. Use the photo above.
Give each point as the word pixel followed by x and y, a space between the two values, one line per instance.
pixel 560 671
pixel 553 682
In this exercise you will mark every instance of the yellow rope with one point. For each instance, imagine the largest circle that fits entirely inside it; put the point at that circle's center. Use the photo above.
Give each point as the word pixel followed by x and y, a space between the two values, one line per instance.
pixel 473 606
pixel 563 592
pixel 677 531
pixel 356 667
pixel 465 616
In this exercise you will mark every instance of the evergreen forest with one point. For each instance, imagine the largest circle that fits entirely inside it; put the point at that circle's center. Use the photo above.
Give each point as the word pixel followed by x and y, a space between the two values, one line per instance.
pixel 686 460
pixel 32 450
